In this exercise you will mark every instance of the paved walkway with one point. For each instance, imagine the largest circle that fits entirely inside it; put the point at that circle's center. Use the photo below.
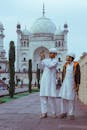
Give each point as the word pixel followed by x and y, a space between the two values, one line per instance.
pixel 23 114
pixel 17 90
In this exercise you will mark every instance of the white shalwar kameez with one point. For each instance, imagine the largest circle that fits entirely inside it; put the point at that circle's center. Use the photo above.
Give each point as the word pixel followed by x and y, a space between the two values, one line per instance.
pixel 67 92
pixel 48 84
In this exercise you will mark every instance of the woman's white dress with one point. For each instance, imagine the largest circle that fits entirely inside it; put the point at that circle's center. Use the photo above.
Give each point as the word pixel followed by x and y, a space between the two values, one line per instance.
pixel 67 89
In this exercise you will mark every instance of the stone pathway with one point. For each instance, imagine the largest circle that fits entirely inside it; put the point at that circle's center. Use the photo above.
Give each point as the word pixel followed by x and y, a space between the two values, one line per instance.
pixel 17 90
pixel 23 114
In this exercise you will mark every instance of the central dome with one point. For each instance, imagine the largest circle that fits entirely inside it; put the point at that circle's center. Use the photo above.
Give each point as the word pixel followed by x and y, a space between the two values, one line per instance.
pixel 43 25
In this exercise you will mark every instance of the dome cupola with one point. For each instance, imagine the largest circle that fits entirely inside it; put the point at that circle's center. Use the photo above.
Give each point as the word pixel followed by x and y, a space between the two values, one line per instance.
pixel 26 32
pixel 43 25
pixel 1 26
pixel 59 32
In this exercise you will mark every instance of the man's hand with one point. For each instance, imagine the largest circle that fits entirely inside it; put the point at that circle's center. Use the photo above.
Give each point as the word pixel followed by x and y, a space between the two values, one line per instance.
pixel 76 87
pixel 42 55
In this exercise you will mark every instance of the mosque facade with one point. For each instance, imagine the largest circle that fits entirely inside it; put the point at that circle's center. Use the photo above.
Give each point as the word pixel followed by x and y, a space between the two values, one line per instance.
pixel 42 36
pixel 3 59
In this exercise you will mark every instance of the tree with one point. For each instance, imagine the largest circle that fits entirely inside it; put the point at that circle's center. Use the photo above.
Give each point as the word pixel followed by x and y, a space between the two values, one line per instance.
pixel 11 69
pixel 38 76
pixel 30 75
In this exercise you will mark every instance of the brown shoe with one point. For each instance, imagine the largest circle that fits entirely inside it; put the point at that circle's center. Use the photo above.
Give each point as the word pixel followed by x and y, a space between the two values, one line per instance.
pixel 53 116
pixel 71 117
pixel 43 115
pixel 63 115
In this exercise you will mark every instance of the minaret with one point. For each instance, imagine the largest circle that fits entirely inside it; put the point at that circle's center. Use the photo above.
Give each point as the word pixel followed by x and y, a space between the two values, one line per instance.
pixel 18 30
pixel 1 36
pixel 65 32
pixel 3 59
pixel 18 45
pixel 65 35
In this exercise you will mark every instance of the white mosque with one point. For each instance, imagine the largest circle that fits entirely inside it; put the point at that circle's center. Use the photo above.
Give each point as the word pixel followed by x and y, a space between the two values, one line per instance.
pixel 42 36
pixel 3 59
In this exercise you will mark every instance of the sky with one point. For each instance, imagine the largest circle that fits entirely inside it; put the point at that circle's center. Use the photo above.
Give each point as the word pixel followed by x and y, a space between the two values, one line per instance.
pixel 25 12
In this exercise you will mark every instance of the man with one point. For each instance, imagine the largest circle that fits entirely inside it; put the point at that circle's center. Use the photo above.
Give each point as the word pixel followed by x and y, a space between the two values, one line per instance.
pixel 70 86
pixel 48 82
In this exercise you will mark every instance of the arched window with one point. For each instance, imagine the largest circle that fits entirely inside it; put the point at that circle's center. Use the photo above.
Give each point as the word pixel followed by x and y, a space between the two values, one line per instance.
pixel 24 70
pixel 27 43
pixel 21 43
pixel 62 43
pixel 24 43
pixel 56 44
pixel 58 69
pixel 59 59
pixel 59 43
pixel 24 59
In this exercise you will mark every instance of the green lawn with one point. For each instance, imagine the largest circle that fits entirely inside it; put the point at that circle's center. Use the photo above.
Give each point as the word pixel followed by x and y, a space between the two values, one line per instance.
pixel 16 96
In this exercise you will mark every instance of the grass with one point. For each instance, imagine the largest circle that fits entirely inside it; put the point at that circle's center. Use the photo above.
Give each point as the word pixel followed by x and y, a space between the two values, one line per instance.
pixel 16 96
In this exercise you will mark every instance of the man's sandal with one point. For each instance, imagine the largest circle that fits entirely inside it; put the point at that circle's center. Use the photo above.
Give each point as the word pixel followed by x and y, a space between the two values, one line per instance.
pixel 44 115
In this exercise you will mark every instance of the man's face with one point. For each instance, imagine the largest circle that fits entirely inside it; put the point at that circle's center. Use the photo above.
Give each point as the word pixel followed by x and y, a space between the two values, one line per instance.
pixel 68 59
pixel 52 55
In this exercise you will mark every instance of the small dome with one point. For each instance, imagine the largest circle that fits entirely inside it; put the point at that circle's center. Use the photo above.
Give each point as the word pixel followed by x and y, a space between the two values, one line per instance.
pixel 18 26
pixel 26 32
pixel 65 25
pixel 59 32
pixel 43 25
pixel 1 26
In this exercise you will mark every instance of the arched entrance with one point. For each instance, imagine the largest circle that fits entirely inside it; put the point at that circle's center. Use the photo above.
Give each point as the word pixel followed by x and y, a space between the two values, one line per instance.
pixel 36 56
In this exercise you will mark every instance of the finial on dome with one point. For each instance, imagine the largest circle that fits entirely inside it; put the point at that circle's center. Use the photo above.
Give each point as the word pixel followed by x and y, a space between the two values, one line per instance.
pixel 43 10
pixel 18 25
pixel 65 25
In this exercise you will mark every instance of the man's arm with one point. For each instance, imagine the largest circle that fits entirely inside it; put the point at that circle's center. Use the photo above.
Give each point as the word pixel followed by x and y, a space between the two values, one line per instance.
pixel 52 64
pixel 77 78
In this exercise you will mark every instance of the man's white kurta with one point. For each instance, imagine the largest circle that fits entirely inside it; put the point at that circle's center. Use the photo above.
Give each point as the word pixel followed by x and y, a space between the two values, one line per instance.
pixel 67 89
pixel 48 80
